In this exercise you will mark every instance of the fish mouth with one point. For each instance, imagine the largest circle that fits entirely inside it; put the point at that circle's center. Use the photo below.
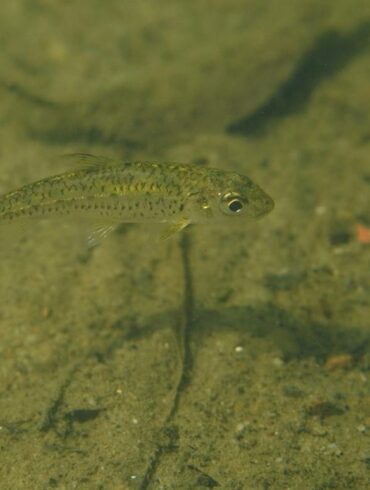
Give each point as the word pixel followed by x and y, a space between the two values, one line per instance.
pixel 267 206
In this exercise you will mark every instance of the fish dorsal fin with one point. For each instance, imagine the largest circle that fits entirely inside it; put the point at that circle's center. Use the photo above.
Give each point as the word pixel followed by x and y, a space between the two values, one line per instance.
pixel 90 162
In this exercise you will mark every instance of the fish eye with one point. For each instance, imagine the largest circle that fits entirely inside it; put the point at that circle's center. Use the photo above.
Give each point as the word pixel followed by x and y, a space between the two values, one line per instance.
pixel 232 203
pixel 235 205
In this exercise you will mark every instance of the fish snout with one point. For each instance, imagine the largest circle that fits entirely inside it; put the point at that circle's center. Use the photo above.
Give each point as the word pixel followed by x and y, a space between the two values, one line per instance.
pixel 265 206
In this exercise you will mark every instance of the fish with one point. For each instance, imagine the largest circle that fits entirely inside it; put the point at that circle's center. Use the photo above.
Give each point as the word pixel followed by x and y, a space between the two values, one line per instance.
pixel 115 192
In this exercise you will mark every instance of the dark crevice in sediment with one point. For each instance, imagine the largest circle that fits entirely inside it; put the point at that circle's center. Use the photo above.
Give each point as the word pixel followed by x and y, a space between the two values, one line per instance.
pixel 66 122
pixel 51 414
pixel 26 95
pixel 66 132
pixel 331 52
pixel 184 332
pixel 188 315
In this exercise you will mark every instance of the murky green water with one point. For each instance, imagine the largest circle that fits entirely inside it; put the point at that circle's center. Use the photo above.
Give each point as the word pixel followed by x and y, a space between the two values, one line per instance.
pixel 225 357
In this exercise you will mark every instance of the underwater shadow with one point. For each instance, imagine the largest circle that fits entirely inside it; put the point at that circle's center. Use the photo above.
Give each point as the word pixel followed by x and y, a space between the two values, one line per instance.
pixel 294 338
pixel 331 52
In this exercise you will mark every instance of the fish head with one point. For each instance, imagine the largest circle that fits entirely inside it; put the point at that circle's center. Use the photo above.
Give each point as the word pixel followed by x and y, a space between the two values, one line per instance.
pixel 230 196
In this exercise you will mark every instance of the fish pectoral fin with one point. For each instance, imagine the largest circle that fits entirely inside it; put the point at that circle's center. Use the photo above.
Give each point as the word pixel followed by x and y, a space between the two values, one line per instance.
pixel 99 233
pixel 90 162
pixel 174 228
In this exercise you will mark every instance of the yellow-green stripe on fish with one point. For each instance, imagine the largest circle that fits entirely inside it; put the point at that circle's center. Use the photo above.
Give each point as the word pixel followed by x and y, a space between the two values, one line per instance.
pixel 177 194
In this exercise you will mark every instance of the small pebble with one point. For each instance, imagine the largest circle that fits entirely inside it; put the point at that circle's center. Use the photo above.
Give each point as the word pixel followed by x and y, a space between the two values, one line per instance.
pixel 277 361
pixel 338 362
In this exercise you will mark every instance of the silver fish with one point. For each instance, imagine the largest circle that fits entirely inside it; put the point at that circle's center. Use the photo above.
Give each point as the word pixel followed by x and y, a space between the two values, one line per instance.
pixel 118 192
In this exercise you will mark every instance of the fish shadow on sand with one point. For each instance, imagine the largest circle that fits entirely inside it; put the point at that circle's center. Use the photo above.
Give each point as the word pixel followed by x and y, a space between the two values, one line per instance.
pixel 331 52
pixel 294 338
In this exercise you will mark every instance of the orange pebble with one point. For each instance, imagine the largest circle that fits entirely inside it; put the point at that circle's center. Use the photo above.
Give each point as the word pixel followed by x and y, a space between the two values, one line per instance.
pixel 338 362
pixel 362 233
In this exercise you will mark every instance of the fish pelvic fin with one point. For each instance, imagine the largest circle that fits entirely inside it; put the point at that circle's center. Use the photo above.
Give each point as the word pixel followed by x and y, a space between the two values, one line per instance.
pixel 174 228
